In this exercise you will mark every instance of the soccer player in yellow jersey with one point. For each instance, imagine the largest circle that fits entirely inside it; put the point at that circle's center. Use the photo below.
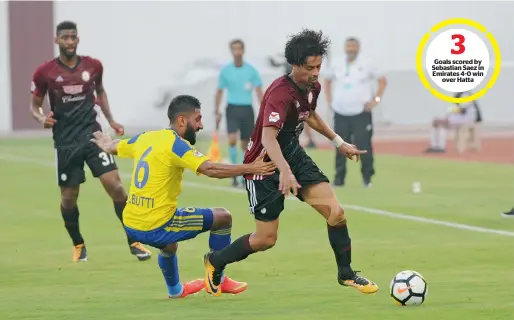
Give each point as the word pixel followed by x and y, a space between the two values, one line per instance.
pixel 152 215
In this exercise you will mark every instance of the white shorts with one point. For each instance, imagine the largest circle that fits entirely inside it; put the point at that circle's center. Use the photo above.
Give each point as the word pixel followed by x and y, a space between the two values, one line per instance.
pixel 458 119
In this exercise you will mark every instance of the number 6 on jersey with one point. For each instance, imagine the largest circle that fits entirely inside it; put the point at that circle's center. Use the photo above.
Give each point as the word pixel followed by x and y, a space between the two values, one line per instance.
pixel 142 165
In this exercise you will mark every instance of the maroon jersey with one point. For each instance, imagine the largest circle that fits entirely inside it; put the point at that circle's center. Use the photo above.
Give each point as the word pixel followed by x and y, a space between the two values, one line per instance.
pixel 286 107
pixel 71 96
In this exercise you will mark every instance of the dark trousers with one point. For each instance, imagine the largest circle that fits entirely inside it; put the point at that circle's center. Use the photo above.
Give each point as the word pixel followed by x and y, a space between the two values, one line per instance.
pixel 357 130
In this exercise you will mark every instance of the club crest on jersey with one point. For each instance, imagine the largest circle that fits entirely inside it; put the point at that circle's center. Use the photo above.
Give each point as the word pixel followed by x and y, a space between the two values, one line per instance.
pixel 76 89
pixel 59 79
pixel 86 76
pixel 274 117
pixel 32 87
pixel 197 153
pixel 310 97
pixel 297 104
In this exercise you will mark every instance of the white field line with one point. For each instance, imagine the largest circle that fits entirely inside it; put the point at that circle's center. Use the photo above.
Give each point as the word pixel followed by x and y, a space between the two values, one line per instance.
pixel 395 215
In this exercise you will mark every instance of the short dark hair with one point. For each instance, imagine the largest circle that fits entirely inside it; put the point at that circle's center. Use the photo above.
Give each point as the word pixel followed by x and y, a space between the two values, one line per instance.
pixel 66 25
pixel 307 43
pixel 237 41
pixel 352 39
pixel 182 104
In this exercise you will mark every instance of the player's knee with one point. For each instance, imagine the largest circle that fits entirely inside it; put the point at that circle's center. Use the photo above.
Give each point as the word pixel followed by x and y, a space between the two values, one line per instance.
pixel 232 139
pixel 116 190
pixel 264 241
pixel 222 218
pixel 68 203
pixel 337 217
pixel 69 197
pixel 169 250
pixel 244 144
pixel 118 194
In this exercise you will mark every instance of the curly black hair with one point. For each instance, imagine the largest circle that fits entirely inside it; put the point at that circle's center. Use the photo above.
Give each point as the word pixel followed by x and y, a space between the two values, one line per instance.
pixel 307 43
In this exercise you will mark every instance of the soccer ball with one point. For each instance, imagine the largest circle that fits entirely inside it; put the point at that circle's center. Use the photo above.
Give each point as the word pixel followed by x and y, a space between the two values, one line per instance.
pixel 408 288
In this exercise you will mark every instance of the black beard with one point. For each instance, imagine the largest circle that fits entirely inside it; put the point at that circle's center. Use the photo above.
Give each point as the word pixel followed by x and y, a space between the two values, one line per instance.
pixel 190 135
pixel 65 53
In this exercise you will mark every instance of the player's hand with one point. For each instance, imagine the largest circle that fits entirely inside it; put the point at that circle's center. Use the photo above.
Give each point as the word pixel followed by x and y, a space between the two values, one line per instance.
pixel 217 114
pixel 118 128
pixel 351 151
pixel 103 141
pixel 259 167
pixel 48 121
pixel 288 183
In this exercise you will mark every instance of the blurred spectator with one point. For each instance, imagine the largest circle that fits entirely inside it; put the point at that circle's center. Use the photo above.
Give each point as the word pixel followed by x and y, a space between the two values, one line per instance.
pixel 349 86
pixel 239 78
pixel 287 70
pixel 463 118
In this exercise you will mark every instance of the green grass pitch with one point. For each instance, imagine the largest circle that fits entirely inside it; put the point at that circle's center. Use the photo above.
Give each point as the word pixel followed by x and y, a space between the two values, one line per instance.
pixel 470 274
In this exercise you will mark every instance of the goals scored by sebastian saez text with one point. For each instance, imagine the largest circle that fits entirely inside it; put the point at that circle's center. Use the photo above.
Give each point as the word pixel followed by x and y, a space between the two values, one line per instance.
pixel 458 59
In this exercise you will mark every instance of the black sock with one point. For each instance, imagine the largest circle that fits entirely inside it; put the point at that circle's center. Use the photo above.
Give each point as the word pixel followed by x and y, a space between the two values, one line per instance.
pixel 236 251
pixel 342 245
pixel 71 222
pixel 118 208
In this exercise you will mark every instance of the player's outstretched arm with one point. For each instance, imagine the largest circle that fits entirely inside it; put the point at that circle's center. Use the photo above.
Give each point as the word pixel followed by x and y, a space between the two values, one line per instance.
pixel 220 170
pixel 316 123
pixel 105 142
pixel 103 102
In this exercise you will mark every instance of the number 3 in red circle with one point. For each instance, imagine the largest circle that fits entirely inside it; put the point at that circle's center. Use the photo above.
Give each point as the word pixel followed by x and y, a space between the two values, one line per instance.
pixel 459 44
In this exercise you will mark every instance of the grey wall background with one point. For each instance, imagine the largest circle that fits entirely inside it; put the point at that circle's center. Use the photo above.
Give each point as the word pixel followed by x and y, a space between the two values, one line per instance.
pixel 149 47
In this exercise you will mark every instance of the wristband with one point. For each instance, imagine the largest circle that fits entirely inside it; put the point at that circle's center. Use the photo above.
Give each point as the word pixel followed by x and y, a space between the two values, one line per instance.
pixel 338 141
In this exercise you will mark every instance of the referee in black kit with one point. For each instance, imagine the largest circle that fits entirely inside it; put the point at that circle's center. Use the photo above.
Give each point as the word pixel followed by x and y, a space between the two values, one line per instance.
pixel 349 86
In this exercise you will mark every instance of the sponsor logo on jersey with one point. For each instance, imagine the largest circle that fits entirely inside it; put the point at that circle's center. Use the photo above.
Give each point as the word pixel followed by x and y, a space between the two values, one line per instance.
pixel 274 117
pixel 76 89
pixel 197 153
pixel 66 99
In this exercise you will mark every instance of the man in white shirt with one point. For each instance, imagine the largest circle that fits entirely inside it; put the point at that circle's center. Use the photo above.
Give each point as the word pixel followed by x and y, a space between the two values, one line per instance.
pixel 349 89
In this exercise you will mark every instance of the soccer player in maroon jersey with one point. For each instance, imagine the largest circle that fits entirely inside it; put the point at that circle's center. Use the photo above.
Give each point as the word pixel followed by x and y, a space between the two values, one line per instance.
pixel 288 102
pixel 71 81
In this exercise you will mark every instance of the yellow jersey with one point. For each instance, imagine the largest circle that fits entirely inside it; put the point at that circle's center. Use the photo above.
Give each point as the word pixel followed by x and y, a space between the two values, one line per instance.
pixel 160 158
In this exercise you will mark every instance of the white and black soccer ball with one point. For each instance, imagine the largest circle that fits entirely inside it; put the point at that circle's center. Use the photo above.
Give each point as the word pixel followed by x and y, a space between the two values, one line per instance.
pixel 409 288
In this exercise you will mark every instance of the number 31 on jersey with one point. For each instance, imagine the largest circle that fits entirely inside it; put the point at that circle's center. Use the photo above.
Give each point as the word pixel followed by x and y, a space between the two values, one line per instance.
pixel 107 159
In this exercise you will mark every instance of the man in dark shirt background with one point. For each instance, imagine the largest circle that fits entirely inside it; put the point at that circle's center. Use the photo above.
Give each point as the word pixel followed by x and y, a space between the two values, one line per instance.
pixel 71 81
